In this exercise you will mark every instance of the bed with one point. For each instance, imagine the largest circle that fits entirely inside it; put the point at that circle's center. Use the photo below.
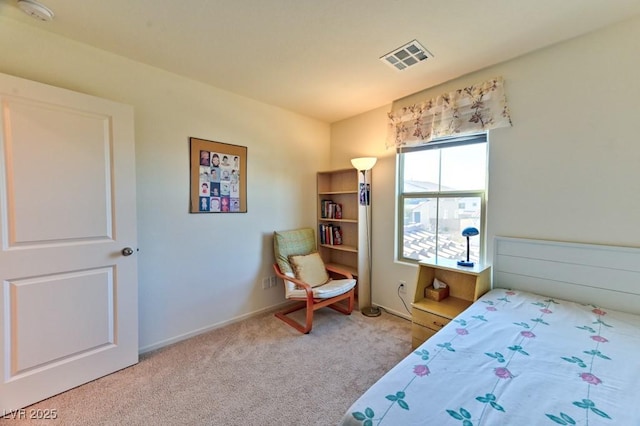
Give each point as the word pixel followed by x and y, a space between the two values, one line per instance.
pixel 556 341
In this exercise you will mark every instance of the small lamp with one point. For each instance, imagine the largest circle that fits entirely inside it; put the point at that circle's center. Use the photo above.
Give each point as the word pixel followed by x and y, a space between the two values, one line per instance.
pixel 468 232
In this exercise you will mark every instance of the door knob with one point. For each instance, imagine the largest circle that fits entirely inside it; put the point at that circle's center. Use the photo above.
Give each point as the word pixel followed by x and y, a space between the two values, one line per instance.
pixel 127 251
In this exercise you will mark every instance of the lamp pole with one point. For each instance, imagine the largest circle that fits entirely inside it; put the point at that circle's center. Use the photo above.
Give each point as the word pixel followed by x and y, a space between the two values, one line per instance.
pixel 363 165
pixel 369 311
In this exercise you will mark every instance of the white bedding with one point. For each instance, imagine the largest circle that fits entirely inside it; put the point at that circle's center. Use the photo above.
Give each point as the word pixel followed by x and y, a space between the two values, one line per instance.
pixel 515 358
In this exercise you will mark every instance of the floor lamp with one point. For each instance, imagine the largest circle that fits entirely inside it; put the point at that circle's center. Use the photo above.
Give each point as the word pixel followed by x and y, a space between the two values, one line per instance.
pixel 364 164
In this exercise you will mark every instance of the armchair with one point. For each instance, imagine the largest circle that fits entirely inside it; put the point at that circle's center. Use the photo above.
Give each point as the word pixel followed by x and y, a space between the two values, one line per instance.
pixel 307 280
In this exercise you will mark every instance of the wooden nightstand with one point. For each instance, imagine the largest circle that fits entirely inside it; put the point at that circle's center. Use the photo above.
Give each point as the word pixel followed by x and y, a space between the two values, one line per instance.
pixel 466 285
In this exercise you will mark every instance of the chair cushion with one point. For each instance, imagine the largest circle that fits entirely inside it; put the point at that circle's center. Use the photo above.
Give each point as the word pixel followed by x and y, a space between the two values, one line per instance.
pixel 309 268
pixel 326 291
pixel 292 243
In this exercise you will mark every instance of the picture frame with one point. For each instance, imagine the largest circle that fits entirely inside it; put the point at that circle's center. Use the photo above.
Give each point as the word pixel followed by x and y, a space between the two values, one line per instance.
pixel 218 177
pixel 365 194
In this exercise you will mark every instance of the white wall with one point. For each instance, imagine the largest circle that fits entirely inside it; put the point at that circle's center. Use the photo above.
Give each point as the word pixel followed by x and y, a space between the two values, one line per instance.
pixel 568 169
pixel 195 270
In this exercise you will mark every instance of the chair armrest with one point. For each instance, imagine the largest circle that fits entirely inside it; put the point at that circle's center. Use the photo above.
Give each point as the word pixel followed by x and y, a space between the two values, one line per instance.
pixel 294 280
pixel 340 271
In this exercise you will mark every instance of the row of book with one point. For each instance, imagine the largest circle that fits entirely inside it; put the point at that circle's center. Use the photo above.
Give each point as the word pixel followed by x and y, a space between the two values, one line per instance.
pixel 330 234
pixel 330 210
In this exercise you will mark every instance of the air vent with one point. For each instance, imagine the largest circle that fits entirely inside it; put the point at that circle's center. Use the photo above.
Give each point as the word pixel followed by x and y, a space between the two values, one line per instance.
pixel 406 56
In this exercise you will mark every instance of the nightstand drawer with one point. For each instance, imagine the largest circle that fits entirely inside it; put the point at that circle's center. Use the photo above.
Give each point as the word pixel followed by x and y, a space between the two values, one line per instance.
pixel 420 332
pixel 415 342
pixel 427 319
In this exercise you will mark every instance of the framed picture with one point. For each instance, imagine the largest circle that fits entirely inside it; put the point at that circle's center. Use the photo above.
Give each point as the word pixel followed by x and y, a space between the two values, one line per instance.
pixel 218 177
pixel 365 193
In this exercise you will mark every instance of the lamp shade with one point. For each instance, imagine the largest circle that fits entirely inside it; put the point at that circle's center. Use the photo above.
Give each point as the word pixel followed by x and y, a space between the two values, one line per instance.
pixel 364 163
pixel 470 232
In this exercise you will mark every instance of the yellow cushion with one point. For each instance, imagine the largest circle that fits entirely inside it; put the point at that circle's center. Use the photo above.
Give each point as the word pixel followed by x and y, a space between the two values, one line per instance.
pixel 309 268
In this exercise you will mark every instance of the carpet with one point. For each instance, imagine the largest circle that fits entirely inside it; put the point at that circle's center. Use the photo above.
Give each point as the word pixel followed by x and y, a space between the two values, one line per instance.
pixel 258 371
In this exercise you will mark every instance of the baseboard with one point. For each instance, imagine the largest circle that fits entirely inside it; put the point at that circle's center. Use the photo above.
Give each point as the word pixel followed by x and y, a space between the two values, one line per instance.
pixel 405 315
pixel 205 329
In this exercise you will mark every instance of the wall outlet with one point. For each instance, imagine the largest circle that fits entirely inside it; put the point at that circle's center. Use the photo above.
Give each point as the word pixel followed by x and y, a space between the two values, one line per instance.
pixel 402 287
pixel 273 281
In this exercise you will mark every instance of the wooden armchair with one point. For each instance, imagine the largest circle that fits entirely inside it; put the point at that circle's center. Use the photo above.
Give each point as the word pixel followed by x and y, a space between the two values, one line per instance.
pixel 307 280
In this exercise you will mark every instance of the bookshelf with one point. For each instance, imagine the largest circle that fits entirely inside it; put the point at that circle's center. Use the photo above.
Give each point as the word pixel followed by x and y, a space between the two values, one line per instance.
pixel 340 187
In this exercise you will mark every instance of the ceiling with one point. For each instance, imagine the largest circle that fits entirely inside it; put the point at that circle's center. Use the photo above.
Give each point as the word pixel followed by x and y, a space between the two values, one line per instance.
pixel 320 58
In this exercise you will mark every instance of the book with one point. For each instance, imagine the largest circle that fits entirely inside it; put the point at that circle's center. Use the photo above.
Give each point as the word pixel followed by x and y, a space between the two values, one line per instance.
pixel 337 235
pixel 330 210
pixel 330 234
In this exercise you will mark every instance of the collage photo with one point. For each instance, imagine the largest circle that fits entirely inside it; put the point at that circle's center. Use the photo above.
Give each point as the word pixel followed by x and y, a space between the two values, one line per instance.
pixel 219 184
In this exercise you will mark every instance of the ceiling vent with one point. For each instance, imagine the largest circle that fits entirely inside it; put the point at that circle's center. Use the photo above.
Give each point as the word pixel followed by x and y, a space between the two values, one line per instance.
pixel 406 56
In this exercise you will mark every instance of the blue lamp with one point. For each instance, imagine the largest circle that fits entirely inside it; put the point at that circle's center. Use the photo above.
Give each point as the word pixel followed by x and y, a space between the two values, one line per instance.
pixel 468 232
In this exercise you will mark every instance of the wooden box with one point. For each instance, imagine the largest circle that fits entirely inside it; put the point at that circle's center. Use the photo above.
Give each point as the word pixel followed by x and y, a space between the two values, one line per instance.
pixel 436 294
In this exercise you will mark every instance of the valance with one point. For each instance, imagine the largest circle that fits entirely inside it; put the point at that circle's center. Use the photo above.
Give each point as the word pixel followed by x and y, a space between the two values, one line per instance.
pixel 473 109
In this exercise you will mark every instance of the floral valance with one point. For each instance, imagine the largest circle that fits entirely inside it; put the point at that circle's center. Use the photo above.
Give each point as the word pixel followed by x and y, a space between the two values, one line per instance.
pixel 469 110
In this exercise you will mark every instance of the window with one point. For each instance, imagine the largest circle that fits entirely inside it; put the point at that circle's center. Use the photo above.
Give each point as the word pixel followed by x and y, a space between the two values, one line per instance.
pixel 441 192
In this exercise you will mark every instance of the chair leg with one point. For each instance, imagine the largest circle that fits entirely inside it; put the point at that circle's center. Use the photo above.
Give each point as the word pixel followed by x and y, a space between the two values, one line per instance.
pixel 350 303
pixel 311 306
pixel 306 328
pixel 352 300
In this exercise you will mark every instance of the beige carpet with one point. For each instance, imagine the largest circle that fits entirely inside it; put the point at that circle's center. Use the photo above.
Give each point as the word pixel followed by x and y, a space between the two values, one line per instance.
pixel 256 372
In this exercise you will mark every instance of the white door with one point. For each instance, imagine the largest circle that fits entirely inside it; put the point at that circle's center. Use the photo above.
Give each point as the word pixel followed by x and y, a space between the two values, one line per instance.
pixel 68 294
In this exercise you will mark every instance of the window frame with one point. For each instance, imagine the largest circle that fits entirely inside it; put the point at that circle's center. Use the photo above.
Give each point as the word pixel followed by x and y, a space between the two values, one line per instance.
pixel 443 143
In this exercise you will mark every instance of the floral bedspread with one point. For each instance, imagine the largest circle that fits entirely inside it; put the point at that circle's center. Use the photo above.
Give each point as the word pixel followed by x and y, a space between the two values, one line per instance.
pixel 515 358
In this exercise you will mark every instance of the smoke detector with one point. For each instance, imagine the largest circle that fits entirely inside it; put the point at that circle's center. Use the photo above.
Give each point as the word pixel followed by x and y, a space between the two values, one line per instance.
pixel 406 56
pixel 36 10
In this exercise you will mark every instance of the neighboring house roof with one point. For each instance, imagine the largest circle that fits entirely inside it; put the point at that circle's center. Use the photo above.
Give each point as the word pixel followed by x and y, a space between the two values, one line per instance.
pixel 420 244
